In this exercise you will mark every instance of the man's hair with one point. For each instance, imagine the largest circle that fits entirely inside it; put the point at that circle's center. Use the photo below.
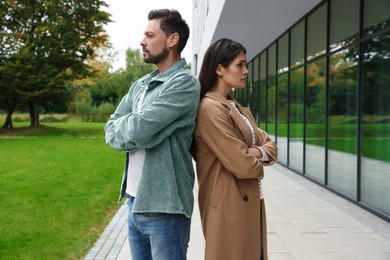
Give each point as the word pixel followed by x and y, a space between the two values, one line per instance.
pixel 172 22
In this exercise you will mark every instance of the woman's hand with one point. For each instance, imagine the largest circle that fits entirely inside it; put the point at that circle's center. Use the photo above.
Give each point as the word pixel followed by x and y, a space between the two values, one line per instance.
pixel 255 151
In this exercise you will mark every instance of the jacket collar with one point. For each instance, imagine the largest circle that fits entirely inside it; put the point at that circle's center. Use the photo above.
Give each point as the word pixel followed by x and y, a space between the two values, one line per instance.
pixel 156 77
pixel 221 98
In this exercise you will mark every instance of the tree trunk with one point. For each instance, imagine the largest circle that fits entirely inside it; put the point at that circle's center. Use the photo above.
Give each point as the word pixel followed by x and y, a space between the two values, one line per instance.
pixel 34 114
pixel 10 104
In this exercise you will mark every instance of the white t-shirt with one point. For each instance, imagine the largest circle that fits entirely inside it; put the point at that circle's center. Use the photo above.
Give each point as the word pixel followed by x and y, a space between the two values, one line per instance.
pixel 136 162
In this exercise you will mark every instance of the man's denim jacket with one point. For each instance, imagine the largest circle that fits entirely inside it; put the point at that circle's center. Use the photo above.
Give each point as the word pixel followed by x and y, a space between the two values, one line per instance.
pixel 164 128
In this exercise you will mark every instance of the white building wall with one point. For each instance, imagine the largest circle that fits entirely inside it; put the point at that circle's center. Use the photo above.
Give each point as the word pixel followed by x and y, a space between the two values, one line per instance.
pixel 205 17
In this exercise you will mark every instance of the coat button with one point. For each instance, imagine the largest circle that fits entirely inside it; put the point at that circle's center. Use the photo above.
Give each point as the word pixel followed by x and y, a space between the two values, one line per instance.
pixel 245 198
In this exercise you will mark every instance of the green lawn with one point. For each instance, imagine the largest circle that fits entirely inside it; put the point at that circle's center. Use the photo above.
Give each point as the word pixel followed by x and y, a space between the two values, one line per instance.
pixel 59 189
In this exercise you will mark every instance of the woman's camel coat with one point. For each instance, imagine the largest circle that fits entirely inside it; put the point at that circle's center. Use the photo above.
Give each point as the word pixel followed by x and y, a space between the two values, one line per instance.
pixel 232 214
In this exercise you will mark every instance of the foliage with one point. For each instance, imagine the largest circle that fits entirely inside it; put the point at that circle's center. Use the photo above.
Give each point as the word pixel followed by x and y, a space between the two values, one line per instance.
pixel 43 45
pixel 111 87
pixel 95 98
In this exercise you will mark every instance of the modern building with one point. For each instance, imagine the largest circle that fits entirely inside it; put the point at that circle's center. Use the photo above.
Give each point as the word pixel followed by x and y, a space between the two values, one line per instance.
pixel 319 84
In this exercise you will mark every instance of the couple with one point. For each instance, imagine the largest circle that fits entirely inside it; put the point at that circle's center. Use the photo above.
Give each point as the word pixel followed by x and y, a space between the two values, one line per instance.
pixel 168 118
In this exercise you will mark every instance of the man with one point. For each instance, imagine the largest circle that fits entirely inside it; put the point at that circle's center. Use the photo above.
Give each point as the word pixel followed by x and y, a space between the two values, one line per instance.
pixel 154 124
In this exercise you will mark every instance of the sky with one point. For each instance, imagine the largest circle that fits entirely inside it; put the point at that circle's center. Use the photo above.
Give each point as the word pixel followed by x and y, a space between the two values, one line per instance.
pixel 130 20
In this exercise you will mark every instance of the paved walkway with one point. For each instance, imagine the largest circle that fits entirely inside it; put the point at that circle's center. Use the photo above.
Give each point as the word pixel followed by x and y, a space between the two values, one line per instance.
pixel 305 221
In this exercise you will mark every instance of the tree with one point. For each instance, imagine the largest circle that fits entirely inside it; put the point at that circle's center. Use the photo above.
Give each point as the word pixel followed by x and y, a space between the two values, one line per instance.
pixel 48 41
pixel 111 86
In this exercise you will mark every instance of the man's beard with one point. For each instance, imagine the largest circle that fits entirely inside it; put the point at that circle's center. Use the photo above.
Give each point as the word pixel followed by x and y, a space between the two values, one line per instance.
pixel 158 58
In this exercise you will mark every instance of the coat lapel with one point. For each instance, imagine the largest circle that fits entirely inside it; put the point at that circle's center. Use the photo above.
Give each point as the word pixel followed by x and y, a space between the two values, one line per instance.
pixel 237 120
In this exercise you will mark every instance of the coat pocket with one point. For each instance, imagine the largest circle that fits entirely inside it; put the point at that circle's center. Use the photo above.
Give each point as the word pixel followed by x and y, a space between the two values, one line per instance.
pixel 219 189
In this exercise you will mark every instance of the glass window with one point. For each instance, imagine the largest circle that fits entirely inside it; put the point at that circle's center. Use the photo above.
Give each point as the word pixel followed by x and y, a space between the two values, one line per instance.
pixel 375 158
pixel 255 69
pixel 376 15
pixel 272 60
pixel 282 118
pixel 343 118
pixel 262 88
pixel 255 88
pixel 239 95
pixel 297 53
pixel 344 23
pixel 250 85
pixel 270 81
pixel 283 54
pixel 263 105
pixel 315 120
pixel 263 66
pixel 296 116
pixel 271 107
pixel 316 33
pixel 245 97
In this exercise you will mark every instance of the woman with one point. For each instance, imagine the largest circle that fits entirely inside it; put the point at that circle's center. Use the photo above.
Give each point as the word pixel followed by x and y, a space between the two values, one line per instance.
pixel 230 153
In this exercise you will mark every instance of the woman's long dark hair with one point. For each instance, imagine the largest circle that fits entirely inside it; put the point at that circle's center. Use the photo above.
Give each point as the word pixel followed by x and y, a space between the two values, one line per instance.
pixel 222 51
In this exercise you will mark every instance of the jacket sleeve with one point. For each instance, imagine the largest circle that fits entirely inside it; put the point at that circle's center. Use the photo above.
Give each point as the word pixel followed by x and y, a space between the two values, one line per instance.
pixel 269 147
pixel 215 128
pixel 158 119
pixel 112 137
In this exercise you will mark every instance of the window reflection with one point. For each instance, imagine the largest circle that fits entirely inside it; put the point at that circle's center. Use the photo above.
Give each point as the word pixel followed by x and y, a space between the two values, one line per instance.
pixel 376 15
pixel 282 118
pixel 263 88
pixel 315 120
pixel 255 88
pixel 297 53
pixel 375 160
pixel 296 119
pixel 343 118
pixel 341 104
pixel 263 105
pixel 316 31
pixel 283 54
pixel 270 107
pixel 344 23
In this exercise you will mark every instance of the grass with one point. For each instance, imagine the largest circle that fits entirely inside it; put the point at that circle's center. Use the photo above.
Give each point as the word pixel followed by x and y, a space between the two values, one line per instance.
pixel 59 186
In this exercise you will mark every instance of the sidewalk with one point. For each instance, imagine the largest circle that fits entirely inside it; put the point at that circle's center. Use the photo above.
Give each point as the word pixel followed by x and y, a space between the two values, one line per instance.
pixel 305 221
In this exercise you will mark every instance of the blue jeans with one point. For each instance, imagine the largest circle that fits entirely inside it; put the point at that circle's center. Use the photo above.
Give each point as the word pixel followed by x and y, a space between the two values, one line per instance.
pixel 158 236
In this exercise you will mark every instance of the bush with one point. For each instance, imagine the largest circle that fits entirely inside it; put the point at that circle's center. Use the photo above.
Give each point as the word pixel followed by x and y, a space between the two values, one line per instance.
pixel 99 113
pixel 54 119
pixel 21 118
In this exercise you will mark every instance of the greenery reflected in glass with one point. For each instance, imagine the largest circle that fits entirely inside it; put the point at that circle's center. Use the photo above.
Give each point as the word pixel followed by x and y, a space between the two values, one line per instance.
pixel 375 160
pixel 315 120
pixel 254 75
pixel 271 106
pixel 343 119
pixel 296 117
pixel 263 105
pixel 343 108
pixel 282 117
pixel 245 96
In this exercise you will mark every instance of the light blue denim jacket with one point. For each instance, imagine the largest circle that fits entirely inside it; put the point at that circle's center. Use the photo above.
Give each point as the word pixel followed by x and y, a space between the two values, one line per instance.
pixel 164 128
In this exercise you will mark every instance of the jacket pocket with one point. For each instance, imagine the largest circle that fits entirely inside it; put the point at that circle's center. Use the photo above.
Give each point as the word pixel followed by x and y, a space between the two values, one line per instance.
pixel 219 189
